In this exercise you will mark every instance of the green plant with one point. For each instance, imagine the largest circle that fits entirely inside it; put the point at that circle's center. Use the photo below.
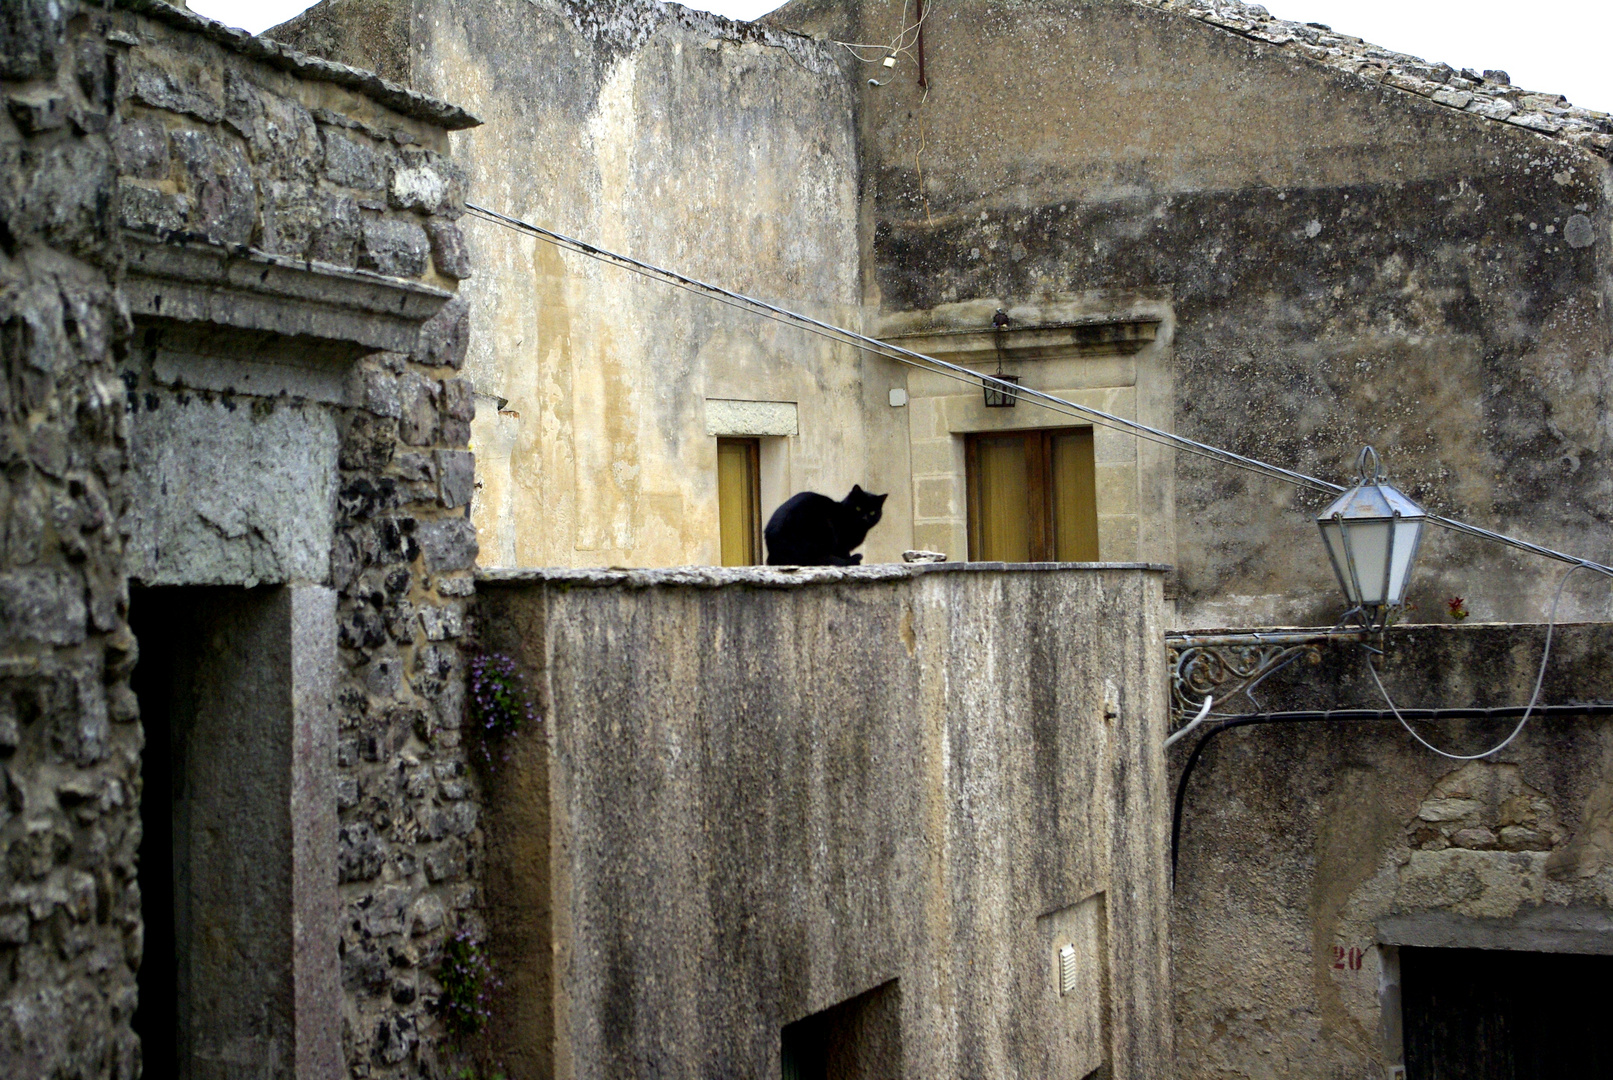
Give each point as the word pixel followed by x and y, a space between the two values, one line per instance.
pixel 467 981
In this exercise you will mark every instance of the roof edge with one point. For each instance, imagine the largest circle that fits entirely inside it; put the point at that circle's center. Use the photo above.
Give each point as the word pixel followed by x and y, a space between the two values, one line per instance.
pixel 1489 96
pixel 399 99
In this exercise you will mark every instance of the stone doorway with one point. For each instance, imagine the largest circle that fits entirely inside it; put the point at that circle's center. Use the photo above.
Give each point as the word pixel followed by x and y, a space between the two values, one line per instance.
pixel 238 969
pixel 1489 1014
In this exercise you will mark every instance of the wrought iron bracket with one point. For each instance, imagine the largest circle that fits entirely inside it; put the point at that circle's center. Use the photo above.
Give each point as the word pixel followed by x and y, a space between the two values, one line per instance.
pixel 1234 664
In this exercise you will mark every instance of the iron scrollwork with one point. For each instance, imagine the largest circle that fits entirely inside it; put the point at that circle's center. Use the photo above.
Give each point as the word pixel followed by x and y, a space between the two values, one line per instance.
pixel 1228 666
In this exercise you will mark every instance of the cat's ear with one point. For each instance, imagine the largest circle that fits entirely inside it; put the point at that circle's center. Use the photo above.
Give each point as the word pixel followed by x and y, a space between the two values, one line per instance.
pixel 881 498
pixel 856 489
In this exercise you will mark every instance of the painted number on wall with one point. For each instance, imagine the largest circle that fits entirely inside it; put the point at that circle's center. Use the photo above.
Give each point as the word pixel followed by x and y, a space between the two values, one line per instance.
pixel 1347 959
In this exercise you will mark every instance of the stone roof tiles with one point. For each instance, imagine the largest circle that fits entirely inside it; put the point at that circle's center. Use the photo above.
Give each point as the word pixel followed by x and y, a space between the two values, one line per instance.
pixel 1489 95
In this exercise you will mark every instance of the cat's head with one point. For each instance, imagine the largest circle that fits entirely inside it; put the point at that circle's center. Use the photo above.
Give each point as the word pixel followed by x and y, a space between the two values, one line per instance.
pixel 865 506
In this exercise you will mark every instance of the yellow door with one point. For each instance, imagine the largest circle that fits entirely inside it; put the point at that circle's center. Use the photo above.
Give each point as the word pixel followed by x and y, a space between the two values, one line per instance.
pixel 739 503
pixel 1033 496
pixel 1075 497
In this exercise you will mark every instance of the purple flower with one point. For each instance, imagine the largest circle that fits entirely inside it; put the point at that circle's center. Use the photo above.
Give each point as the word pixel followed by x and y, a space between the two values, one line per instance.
pixel 498 700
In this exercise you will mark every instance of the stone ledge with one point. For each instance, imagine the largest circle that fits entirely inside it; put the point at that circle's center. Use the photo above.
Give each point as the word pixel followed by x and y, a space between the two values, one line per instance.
pixel 200 282
pixel 1120 336
pixel 774 577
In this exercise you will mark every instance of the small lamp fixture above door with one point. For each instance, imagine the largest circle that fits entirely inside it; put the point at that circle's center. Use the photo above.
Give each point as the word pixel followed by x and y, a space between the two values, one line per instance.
pixel 1372 533
pixel 999 396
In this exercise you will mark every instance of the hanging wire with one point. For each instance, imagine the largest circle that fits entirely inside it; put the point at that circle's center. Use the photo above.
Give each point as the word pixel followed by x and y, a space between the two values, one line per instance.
pixel 1061 406
pixel 1204 713
pixel 897 46
pixel 1534 698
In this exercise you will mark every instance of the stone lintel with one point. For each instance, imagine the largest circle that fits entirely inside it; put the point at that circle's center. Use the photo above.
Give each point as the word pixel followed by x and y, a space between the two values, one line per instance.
pixel 1095 337
pixel 1548 929
pixel 198 282
pixel 728 417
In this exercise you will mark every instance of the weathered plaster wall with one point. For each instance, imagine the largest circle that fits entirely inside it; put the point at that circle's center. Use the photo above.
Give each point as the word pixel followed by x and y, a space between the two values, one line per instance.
pixel 684 139
pixel 69 754
pixel 757 794
pixel 1347 261
pixel 1301 843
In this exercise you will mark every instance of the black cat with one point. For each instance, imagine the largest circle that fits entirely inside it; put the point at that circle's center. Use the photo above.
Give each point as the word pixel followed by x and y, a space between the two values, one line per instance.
pixel 814 530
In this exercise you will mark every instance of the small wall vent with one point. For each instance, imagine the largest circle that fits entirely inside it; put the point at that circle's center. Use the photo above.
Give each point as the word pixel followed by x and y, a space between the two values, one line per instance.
pixel 1066 970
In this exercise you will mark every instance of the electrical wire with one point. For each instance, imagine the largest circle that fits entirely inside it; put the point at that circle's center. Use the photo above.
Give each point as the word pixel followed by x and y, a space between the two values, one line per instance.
pixel 843 336
pixel 1048 401
pixel 1204 712
pixel 897 46
pixel 1331 716
pixel 1540 678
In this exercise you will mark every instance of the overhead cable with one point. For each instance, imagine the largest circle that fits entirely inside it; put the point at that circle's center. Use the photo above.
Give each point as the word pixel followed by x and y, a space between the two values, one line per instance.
pixel 1534 698
pixel 1062 406
pixel 1335 716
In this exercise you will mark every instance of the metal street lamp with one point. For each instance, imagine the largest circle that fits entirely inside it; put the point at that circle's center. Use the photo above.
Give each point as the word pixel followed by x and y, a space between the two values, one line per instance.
pixel 1372 532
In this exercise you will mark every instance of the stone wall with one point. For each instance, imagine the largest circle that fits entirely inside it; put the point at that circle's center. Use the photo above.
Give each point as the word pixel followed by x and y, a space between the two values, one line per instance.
pixel 69 749
pixel 755 796
pixel 283 410
pixel 288 218
pixel 1311 851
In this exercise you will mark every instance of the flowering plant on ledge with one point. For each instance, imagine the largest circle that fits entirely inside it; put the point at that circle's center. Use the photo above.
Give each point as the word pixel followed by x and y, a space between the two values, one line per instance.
pixel 498 703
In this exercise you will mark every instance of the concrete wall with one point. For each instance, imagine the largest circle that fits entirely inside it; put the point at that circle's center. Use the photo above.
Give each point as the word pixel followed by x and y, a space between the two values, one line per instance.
pixel 755 795
pixel 688 140
pixel 1311 851
pixel 1346 262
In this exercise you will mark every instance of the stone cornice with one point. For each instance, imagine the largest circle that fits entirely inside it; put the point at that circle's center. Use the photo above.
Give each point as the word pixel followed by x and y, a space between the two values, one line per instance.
pixel 200 282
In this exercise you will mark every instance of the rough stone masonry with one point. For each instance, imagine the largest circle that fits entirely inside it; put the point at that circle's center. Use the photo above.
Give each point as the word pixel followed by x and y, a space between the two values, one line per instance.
pixel 212 245
pixel 69 909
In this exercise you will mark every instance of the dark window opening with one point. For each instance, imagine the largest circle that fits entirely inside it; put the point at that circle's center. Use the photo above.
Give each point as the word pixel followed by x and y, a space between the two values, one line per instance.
pixel 1484 1014
pixel 858 1039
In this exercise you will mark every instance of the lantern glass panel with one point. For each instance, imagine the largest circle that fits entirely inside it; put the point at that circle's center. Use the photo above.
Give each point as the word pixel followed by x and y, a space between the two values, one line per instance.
pixel 1408 535
pixel 1374 544
pixel 1367 548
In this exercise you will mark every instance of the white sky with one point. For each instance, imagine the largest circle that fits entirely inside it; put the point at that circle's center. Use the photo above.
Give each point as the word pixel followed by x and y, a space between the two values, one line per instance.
pixel 1560 46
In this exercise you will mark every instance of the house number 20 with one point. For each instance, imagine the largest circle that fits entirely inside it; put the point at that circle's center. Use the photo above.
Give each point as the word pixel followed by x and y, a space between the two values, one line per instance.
pixel 1347 959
